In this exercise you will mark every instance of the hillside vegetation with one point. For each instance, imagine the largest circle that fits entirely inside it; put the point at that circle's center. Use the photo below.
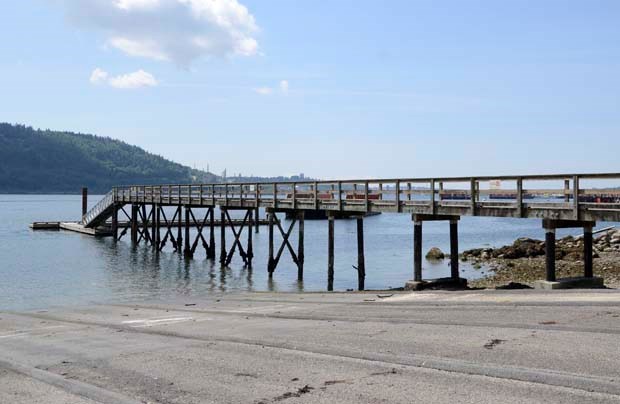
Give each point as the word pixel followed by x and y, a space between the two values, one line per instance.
pixel 43 161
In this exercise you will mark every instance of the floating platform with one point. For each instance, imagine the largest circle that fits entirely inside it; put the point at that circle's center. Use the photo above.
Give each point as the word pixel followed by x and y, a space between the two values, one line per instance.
pixel 106 231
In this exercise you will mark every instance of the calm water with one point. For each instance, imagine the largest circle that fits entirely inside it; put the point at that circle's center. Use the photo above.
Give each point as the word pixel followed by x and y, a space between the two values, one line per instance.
pixel 49 268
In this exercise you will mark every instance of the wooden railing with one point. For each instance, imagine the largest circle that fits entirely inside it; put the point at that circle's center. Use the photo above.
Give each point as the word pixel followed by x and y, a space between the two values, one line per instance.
pixel 562 196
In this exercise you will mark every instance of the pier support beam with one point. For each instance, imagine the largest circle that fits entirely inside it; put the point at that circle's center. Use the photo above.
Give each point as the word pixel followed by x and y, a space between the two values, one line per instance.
pixel 550 254
pixel 222 237
pixel 330 252
pixel 245 253
pixel 300 246
pixel 361 262
pixel 454 249
pixel 180 230
pixel 187 251
pixel 211 250
pixel 454 280
pixel 588 280
pixel 134 223
pixel 115 222
pixel 298 257
pixel 588 263
pixel 84 201
pixel 256 220
pixel 271 264
pixel 417 250
pixel 154 229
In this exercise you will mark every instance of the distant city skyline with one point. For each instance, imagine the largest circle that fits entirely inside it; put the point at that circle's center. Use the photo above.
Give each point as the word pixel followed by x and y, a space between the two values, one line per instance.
pixel 346 89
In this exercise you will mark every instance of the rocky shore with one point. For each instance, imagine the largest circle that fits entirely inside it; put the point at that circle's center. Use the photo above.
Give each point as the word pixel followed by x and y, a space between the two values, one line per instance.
pixel 524 261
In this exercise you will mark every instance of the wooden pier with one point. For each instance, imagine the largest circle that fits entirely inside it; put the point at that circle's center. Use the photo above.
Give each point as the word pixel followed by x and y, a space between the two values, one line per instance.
pixel 559 201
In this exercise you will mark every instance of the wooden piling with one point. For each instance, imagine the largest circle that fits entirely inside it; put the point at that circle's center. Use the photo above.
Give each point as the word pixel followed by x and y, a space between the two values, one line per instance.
pixel 115 222
pixel 180 227
pixel 588 270
pixel 134 224
pixel 223 254
pixel 187 251
pixel 158 227
pixel 154 226
pixel 84 201
pixel 300 246
pixel 454 249
pixel 211 252
pixel 256 219
pixel 250 251
pixel 361 263
pixel 330 253
pixel 417 250
pixel 271 263
pixel 550 254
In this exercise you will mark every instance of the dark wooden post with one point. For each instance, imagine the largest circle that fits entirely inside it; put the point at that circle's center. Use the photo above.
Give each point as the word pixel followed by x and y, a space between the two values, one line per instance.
pixel 154 209
pixel 84 201
pixel 250 252
pixel 157 227
pixel 211 252
pixel 550 253
pixel 361 263
pixel 187 251
pixel 588 270
pixel 134 223
pixel 256 219
pixel 271 263
pixel 222 236
pixel 115 222
pixel 417 250
pixel 300 246
pixel 180 227
pixel 454 249
pixel 330 252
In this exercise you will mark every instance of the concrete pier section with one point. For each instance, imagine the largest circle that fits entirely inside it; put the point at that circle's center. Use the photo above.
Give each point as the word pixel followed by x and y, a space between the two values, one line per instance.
pixel 526 346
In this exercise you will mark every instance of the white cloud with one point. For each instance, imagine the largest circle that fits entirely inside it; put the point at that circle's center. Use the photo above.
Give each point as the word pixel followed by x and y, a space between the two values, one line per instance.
pixel 98 76
pixel 180 31
pixel 284 87
pixel 264 90
pixel 125 81
pixel 136 4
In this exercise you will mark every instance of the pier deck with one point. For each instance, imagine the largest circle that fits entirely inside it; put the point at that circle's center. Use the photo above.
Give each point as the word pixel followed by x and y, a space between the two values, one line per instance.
pixel 482 347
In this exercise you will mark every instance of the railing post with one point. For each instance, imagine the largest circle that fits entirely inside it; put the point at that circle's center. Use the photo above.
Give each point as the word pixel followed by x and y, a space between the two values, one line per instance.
pixel 315 187
pixel 520 197
pixel 339 185
pixel 432 197
pixel 398 209
pixel 294 193
pixel 367 208
pixel 275 195
pixel 473 196
pixel 576 197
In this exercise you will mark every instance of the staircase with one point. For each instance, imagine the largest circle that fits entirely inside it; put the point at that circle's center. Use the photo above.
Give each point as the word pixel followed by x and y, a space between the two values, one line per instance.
pixel 100 212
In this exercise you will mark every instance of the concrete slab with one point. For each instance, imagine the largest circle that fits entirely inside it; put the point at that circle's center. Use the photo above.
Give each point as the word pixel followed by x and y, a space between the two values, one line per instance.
pixel 531 346
pixel 571 283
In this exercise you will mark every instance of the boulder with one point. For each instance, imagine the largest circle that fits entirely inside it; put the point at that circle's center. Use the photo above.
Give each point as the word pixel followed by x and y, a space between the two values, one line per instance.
pixel 435 254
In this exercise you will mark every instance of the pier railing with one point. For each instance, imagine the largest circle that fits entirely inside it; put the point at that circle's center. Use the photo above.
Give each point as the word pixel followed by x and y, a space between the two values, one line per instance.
pixel 561 196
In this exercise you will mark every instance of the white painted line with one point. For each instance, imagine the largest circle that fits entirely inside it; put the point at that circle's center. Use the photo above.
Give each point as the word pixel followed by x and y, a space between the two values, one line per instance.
pixel 156 321
pixel 32 331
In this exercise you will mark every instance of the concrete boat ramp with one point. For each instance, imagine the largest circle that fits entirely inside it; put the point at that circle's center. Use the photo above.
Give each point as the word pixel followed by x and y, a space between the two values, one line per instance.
pixel 433 347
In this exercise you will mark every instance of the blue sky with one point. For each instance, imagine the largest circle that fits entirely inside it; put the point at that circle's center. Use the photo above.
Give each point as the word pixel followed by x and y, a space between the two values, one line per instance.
pixel 372 88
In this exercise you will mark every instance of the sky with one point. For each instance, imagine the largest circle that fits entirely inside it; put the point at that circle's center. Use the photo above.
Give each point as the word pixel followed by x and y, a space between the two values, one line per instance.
pixel 332 89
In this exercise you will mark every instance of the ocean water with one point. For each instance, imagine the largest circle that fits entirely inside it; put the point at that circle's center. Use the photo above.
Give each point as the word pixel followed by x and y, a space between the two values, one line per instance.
pixel 39 269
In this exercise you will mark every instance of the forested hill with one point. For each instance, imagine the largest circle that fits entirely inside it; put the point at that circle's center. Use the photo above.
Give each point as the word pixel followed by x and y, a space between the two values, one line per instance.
pixel 43 161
